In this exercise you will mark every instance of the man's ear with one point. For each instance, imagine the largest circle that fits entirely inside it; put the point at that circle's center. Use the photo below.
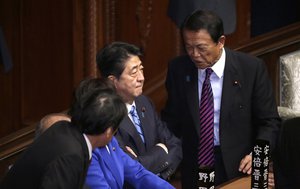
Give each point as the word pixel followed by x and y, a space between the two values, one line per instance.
pixel 112 78
pixel 108 132
pixel 222 40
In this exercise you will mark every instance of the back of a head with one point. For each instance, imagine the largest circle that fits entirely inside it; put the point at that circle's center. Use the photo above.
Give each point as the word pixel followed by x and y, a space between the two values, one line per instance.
pixel 86 88
pixel 111 59
pixel 48 120
pixel 96 107
pixel 204 20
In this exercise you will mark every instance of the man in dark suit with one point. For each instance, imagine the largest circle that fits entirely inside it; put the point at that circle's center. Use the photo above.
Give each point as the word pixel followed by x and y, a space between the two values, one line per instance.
pixel 59 157
pixel 149 141
pixel 244 108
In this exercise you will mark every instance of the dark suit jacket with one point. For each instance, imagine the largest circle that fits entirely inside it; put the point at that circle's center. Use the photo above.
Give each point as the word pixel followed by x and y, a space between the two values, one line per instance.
pixel 155 131
pixel 286 160
pixel 57 159
pixel 248 110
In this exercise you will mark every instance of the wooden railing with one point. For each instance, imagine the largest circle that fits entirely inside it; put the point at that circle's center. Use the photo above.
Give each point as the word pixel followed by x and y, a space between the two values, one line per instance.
pixel 269 47
pixel 13 145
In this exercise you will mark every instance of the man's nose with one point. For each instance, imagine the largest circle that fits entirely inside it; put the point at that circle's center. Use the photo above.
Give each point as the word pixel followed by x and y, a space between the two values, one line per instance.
pixel 195 52
pixel 140 76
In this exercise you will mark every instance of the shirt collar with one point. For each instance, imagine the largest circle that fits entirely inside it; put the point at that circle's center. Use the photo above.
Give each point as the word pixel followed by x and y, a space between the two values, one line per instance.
pixel 219 66
pixel 128 106
pixel 107 148
pixel 89 145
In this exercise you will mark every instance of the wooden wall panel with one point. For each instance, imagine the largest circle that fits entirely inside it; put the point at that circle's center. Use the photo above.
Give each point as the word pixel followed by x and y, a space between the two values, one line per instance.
pixel 46 42
pixel 9 82
pixel 46 58
pixel 242 33
pixel 53 45
pixel 145 23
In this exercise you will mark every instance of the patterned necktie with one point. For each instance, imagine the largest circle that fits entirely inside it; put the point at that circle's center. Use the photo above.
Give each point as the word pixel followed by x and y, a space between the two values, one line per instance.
pixel 136 121
pixel 206 143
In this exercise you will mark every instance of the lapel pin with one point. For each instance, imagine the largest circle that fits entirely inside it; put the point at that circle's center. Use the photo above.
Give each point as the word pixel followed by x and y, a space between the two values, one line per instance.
pixel 143 111
pixel 187 78
pixel 237 83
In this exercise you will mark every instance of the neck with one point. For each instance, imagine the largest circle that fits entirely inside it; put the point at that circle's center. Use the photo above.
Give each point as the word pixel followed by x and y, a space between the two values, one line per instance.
pixel 219 56
pixel 128 101
pixel 93 140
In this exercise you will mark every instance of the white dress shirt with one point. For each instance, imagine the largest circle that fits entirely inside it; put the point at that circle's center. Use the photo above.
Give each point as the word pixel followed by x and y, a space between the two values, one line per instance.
pixel 89 145
pixel 216 80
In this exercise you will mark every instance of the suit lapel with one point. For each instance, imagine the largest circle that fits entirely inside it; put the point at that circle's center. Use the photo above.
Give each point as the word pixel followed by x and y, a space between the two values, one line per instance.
pixel 144 116
pixel 131 130
pixel 192 96
pixel 231 88
pixel 109 160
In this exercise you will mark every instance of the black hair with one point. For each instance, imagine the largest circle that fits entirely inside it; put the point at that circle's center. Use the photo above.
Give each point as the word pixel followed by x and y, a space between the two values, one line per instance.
pixel 96 107
pixel 110 60
pixel 206 20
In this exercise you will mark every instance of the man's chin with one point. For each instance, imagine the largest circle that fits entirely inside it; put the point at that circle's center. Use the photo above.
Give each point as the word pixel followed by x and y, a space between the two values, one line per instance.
pixel 200 65
pixel 138 93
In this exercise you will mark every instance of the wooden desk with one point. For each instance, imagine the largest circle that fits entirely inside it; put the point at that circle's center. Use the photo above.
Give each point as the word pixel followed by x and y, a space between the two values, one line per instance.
pixel 239 183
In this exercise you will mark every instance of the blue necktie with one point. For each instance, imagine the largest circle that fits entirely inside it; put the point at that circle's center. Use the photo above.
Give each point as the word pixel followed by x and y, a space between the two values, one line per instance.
pixel 137 122
pixel 206 143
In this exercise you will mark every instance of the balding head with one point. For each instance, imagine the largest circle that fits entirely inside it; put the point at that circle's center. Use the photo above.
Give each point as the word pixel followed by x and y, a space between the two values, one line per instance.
pixel 48 121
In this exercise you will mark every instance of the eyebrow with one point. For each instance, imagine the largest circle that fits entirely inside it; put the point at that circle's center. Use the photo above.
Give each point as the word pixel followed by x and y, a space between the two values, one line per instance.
pixel 136 66
pixel 198 45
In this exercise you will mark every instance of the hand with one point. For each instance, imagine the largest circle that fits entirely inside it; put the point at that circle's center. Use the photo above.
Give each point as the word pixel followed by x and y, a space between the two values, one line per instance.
pixel 130 151
pixel 271 181
pixel 246 164
pixel 163 147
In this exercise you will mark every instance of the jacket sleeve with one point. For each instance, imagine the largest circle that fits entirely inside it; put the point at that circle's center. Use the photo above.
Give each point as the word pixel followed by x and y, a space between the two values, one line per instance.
pixel 139 177
pixel 172 143
pixel 154 159
pixel 264 107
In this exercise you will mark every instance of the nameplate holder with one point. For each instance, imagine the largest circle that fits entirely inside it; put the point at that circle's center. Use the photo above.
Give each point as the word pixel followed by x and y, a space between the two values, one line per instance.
pixel 260 164
pixel 206 178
